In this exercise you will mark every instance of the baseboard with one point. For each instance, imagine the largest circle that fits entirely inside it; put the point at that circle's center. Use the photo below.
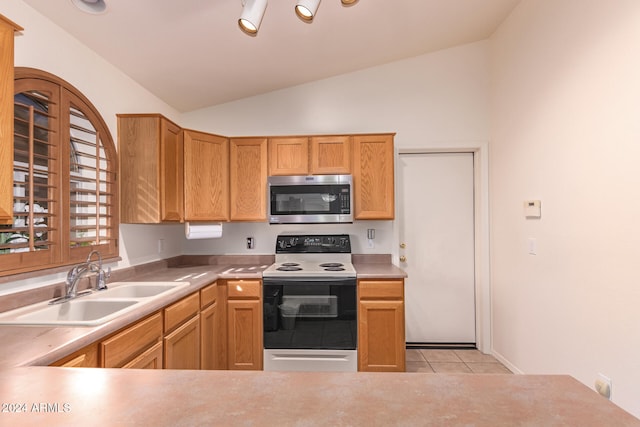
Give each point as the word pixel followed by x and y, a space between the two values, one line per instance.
pixel 441 346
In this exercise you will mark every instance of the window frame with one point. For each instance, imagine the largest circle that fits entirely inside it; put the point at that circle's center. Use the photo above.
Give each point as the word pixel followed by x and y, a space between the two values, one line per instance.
pixel 65 96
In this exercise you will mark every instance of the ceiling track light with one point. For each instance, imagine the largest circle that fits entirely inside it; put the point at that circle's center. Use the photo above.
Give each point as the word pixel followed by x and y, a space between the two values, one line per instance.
pixel 252 13
pixel 306 9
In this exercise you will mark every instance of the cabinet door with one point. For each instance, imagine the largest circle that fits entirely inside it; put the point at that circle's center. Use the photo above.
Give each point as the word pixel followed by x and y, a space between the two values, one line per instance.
pixel 209 330
pixel 182 346
pixel 150 359
pixel 248 179
pixel 381 342
pixel 7 29
pixel 84 358
pixel 171 171
pixel 330 155
pixel 206 177
pixel 151 169
pixel 244 323
pixel 289 156
pixel 373 185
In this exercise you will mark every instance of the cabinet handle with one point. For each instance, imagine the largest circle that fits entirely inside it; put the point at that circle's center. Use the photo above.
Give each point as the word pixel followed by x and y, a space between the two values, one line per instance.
pixel 403 258
pixel 403 245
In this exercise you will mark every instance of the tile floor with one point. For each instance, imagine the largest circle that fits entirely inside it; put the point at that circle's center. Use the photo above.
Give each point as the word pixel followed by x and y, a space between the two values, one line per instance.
pixel 453 361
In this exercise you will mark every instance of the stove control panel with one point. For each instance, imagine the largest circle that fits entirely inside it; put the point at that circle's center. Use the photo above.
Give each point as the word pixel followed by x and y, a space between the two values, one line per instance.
pixel 311 243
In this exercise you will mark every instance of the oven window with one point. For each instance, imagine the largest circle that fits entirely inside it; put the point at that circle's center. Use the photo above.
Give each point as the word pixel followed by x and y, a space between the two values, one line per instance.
pixel 303 315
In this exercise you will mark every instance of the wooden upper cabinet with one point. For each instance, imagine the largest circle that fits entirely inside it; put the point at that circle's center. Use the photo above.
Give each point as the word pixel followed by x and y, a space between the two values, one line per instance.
pixel 248 179
pixel 7 30
pixel 150 151
pixel 289 156
pixel 330 155
pixel 206 177
pixel 373 176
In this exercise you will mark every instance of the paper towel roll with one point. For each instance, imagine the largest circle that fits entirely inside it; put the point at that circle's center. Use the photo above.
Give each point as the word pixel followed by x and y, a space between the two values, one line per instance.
pixel 203 230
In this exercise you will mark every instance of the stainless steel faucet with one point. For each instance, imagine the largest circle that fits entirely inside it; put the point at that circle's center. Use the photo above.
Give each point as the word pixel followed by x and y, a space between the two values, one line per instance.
pixel 74 275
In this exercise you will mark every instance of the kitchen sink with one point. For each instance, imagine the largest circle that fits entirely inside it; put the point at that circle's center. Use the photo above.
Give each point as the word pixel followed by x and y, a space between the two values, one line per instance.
pixel 139 289
pixel 77 312
pixel 93 309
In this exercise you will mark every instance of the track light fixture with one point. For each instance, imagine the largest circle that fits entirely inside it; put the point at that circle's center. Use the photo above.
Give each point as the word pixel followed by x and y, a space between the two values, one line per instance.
pixel 306 9
pixel 252 13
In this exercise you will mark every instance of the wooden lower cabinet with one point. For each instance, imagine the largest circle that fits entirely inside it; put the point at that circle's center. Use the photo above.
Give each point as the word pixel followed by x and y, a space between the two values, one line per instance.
pixel 182 346
pixel 182 333
pixel 209 334
pixel 150 359
pixel 381 329
pixel 244 324
pixel 245 335
pixel 83 358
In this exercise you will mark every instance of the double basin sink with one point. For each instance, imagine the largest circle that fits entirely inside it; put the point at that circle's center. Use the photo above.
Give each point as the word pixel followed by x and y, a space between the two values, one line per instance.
pixel 94 309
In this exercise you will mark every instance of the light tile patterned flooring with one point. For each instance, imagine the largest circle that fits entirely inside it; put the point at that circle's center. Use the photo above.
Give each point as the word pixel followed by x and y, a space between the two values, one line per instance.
pixel 453 361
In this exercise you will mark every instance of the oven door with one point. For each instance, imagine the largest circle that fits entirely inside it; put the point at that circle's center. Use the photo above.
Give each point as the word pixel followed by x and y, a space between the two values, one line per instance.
pixel 310 324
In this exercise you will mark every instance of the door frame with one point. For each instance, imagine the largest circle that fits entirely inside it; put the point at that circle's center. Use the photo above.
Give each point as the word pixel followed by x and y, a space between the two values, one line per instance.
pixel 480 151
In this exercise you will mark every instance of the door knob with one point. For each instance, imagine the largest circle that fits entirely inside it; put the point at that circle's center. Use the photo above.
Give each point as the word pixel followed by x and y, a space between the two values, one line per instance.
pixel 403 245
pixel 403 258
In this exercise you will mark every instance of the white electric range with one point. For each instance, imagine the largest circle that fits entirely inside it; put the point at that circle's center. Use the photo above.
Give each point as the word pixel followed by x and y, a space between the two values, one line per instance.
pixel 310 310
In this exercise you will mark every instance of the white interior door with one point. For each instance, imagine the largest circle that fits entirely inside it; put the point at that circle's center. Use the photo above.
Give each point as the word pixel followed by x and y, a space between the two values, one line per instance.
pixel 437 246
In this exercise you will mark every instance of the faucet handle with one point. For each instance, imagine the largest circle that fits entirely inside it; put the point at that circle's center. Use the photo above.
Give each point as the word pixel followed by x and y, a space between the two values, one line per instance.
pixel 101 283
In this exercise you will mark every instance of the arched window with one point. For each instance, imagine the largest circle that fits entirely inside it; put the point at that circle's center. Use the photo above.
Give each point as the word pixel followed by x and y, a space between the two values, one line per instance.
pixel 65 197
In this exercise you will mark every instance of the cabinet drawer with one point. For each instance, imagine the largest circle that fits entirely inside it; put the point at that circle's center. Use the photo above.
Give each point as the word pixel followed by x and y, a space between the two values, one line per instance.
pixel 244 288
pixel 177 313
pixel 208 295
pixel 381 289
pixel 122 347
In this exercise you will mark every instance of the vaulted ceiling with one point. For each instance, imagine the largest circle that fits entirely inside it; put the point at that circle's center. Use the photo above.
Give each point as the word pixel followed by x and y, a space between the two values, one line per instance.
pixel 191 53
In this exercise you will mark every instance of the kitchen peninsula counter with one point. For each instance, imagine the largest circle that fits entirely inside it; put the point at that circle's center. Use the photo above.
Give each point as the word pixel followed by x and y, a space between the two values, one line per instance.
pixel 107 397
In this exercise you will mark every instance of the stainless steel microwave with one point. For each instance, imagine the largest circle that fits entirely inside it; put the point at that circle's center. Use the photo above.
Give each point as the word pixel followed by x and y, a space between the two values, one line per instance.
pixel 310 199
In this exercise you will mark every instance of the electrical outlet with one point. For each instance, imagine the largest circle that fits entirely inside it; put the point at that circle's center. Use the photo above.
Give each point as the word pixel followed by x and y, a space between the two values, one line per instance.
pixel 160 246
pixel 250 242
pixel 603 386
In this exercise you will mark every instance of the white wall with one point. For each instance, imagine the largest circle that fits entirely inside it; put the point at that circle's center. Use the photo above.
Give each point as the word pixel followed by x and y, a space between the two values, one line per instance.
pixel 45 46
pixel 565 130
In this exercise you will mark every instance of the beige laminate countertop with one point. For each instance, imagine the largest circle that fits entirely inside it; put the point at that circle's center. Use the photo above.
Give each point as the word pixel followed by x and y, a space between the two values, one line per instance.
pixel 123 397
